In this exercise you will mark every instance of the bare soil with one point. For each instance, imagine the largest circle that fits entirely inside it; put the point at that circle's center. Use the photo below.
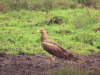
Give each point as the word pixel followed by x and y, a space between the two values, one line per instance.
pixel 38 64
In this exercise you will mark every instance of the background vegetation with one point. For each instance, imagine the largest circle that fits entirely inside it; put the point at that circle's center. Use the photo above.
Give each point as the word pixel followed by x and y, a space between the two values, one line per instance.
pixel 76 30
pixel 46 5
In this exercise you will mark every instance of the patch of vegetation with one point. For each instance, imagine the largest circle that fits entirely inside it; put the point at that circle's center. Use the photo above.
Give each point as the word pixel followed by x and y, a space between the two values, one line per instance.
pixel 67 31
pixel 68 70
pixel 85 38
pixel 18 31
pixel 97 29
pixel 55 20
pixel 87 20
pixel 46 5
pixel 89 3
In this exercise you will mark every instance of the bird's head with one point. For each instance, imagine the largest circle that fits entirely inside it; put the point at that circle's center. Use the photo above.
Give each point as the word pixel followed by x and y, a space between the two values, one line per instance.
pixel 42 31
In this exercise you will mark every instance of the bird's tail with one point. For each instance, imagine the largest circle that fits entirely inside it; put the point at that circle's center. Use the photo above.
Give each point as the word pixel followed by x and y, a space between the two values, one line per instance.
pixel 71 56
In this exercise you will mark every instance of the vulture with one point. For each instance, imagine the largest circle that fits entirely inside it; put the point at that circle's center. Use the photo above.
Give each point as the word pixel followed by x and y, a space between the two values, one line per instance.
pixel 53 48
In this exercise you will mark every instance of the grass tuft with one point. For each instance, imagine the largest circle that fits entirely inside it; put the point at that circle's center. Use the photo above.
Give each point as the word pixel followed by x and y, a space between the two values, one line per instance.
pixel 68 70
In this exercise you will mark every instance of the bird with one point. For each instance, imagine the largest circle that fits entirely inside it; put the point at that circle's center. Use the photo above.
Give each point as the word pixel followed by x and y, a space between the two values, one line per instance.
pixel 53 48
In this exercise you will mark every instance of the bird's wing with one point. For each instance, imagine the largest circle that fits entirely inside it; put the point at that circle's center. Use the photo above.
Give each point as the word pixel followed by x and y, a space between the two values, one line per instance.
pixel 53 48
pixel 54 44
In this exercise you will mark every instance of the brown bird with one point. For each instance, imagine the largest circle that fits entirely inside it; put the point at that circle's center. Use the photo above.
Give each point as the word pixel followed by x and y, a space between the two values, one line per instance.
pixel 53 48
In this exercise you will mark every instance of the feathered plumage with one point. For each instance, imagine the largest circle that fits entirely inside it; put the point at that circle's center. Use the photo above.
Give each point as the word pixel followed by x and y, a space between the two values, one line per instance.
pixel 53 48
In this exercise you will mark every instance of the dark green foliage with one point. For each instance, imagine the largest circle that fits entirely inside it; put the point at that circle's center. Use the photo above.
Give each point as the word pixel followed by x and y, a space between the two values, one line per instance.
pixel 64 32
pixel 59 20
pixel 45 5
pixel 89 3
pixel 16 4
pixel 37 6
pixel 48 4
pixel 10 40
pixel 55 20
pixel 73 5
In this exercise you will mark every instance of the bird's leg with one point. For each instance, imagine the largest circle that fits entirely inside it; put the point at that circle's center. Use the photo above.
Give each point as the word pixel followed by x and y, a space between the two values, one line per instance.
pixel 52 58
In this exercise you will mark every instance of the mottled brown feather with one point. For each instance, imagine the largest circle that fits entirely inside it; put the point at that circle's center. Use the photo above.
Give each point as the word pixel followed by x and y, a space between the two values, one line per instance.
pixel 53 48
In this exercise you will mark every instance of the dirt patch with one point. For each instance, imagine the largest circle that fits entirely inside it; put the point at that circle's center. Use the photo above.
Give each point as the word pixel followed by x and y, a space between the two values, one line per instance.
pixel 37 64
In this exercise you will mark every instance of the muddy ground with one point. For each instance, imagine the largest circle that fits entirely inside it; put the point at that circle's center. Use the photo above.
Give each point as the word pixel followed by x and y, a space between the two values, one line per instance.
pixel 38 64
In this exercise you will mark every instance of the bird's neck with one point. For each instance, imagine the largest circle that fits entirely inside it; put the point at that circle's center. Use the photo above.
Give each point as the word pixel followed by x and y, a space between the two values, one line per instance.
pixel 43 37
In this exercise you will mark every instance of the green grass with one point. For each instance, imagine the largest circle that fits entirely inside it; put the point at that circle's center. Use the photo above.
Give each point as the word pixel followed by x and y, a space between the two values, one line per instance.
pixel 68 70
pixel 46 5
pixel 75 33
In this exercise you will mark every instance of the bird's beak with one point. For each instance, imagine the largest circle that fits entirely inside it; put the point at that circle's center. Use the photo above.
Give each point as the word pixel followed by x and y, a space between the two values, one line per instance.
pixel 38 30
